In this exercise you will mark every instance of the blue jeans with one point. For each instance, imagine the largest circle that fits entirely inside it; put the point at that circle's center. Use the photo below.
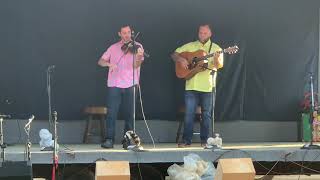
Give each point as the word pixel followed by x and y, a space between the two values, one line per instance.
pixel 192 100
pixel 115 97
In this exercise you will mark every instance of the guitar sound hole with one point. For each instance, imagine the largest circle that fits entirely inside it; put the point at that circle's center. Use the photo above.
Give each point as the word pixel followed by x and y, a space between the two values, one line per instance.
pixel 194 60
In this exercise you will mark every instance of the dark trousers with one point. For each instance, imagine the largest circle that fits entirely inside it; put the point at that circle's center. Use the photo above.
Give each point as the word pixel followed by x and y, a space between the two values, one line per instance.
pixel 192 99
pixel 115 97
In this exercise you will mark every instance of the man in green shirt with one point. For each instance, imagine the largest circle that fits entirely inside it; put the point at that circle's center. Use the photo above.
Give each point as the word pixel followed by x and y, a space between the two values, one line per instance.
pixel 198 89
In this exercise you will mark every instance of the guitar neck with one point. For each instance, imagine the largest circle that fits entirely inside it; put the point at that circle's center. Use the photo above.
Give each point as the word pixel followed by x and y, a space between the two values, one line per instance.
pixel 208 56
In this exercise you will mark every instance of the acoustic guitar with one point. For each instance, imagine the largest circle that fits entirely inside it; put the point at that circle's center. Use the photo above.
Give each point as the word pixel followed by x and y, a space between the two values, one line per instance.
pixel 198 59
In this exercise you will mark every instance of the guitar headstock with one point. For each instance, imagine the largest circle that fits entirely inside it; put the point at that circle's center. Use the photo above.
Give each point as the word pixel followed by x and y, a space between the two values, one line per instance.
pixel 231 50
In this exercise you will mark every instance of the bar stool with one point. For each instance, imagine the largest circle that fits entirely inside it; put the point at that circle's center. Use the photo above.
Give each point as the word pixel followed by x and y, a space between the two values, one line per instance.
pixel 181 113
pixel 94 113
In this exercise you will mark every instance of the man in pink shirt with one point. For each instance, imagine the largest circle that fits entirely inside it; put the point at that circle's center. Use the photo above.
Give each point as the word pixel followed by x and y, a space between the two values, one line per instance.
pixel 121 81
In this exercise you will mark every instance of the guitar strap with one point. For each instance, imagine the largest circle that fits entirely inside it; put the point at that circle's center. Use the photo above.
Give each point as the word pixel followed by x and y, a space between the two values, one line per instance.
pixel 210 47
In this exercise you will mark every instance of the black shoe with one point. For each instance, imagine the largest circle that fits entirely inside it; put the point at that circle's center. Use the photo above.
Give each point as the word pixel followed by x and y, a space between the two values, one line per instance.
pixel 107 144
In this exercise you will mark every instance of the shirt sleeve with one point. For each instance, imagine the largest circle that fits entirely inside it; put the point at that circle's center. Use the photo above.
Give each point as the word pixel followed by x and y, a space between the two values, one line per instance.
pixel 107 54
pixel 183 48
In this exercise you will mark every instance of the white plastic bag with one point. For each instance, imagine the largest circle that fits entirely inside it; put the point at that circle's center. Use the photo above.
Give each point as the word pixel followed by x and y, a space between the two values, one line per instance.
pixel 190 162
pixel 46 138
pixel 201 167
pixel 174 170
pixel 194 168
pixel 177 172
pixel 186 175
pixel 210 172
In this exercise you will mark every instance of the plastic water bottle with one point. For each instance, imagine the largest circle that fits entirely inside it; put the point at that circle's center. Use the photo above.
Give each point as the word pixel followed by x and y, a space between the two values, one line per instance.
pixel 218 140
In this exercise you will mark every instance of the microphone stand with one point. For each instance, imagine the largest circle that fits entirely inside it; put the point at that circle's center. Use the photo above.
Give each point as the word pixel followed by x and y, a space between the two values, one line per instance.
pixel 213 72
pixel 27 128
pixel 49 76
pixel 312 111
pixel 2 144
pixel 133 78
pixel 55 147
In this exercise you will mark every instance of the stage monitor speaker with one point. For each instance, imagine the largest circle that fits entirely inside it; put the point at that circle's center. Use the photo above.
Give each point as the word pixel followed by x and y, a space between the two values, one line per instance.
pixel 235 169
pixel 112 170
pixel 19 170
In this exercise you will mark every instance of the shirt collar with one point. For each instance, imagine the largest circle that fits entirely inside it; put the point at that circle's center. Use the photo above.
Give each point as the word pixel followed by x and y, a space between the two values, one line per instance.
pixel 206 44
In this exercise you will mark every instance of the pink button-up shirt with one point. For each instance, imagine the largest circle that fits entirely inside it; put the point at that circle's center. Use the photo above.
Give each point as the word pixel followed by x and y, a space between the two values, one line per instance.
pixel 122 76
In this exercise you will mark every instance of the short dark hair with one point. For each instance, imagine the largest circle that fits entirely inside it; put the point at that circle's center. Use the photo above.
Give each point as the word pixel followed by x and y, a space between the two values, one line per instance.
pixel 205 24
pixel 125 25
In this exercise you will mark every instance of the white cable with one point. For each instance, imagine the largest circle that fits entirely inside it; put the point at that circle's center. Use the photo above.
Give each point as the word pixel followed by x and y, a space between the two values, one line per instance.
pixel 144 117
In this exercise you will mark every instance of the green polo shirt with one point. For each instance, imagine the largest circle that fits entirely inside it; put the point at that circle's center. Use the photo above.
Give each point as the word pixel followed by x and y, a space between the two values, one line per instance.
pixel 202 81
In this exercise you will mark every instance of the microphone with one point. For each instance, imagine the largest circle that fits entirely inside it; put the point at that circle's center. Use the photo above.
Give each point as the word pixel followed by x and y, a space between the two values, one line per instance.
pixel 5 116
pixel 51 68
pixel 134 36
pixel 8 101
pixel 134 39
pixel 130 44
pixel 146 54
pixel 29 122
pixel 55 116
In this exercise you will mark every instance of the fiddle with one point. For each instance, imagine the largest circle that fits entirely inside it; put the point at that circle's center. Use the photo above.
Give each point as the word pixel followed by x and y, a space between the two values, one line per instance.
pixel 132 47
